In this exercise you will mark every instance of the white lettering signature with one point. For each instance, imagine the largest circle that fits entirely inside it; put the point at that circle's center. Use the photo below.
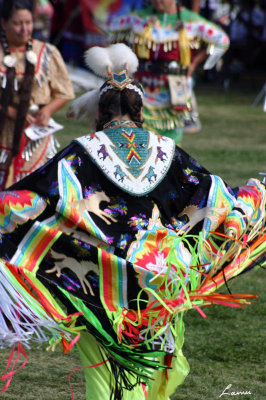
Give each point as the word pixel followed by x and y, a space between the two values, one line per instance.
pixel 240 393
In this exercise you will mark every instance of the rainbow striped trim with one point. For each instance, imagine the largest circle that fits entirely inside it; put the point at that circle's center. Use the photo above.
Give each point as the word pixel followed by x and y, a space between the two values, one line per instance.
pixel 113 281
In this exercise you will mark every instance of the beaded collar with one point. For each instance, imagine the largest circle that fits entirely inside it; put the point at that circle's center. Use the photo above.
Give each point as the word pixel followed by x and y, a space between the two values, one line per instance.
pixel 132 158
pixel 119 124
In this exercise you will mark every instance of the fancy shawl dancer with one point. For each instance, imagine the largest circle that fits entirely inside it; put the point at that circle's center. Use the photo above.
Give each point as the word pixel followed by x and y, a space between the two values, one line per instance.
pixel 128 232
pixel 34 85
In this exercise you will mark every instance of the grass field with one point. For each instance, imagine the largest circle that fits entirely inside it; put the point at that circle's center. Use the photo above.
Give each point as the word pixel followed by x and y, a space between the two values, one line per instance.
pixel 226 348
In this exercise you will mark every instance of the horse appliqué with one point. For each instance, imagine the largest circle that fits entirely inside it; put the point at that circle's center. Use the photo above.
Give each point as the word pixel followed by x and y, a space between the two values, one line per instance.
pixel 103 153
pixel 92 205
pixel 195 215
pixel 161 155
pixel 151 175
pixel 80 269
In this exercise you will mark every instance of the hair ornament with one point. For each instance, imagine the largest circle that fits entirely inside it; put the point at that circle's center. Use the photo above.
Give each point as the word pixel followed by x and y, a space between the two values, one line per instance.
pixel 127 85
pixel 9 61
pixel 134 87
pixel 115 64
pixel 120 79
pixel 107 87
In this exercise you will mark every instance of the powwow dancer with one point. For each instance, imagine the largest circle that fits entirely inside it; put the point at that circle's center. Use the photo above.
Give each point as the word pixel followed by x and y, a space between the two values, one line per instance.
pixel 170 41
pixel 127 243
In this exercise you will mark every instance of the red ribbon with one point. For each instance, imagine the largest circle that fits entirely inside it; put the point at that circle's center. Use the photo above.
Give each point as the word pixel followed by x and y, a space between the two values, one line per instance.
pixel 18 161
pixel 9 375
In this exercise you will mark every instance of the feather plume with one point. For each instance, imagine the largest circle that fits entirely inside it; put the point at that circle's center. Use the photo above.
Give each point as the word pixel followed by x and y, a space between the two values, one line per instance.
pixel 120 55
pixel 83 80
pixel 98 59
pixel 85 106
pixel 115 57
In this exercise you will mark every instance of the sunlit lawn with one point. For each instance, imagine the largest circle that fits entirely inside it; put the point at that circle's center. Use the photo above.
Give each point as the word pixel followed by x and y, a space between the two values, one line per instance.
pixel 226 348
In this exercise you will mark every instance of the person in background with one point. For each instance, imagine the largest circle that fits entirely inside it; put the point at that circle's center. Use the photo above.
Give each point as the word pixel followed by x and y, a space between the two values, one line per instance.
pixel 128 232
pixel 42 15
pixel 208 8
pixel 168 39
pixel 34 85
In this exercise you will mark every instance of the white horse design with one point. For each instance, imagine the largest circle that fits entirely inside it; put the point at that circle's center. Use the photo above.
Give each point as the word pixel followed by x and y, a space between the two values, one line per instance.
pixel 92 204
pixel 196 215
pixel 80 268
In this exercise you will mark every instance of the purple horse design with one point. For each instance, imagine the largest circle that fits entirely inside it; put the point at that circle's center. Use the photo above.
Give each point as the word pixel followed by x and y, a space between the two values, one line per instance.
pixel 161 154
pixel 103 152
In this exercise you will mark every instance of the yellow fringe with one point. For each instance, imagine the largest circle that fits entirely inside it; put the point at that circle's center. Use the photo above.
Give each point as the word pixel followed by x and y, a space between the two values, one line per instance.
pixel 144 43
pixel 185 55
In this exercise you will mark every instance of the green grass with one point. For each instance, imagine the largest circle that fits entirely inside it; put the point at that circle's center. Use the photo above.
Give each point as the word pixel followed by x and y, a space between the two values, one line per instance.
pixel 232 142
pixel 228 346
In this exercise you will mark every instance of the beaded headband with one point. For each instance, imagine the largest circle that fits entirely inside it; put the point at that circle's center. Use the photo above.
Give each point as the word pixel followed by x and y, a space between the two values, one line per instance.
pixel 120 81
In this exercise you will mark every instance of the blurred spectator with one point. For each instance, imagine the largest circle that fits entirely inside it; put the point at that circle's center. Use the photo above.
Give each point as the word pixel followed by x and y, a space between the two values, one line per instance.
pixel 43 13
pixel 80 24
pixel 224 13
pixel 248 24
pixel 208 8
pixel 67 30
pixel 247 53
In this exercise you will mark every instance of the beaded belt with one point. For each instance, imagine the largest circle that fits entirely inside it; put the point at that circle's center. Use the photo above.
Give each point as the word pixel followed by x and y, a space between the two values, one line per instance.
pixel 161 67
